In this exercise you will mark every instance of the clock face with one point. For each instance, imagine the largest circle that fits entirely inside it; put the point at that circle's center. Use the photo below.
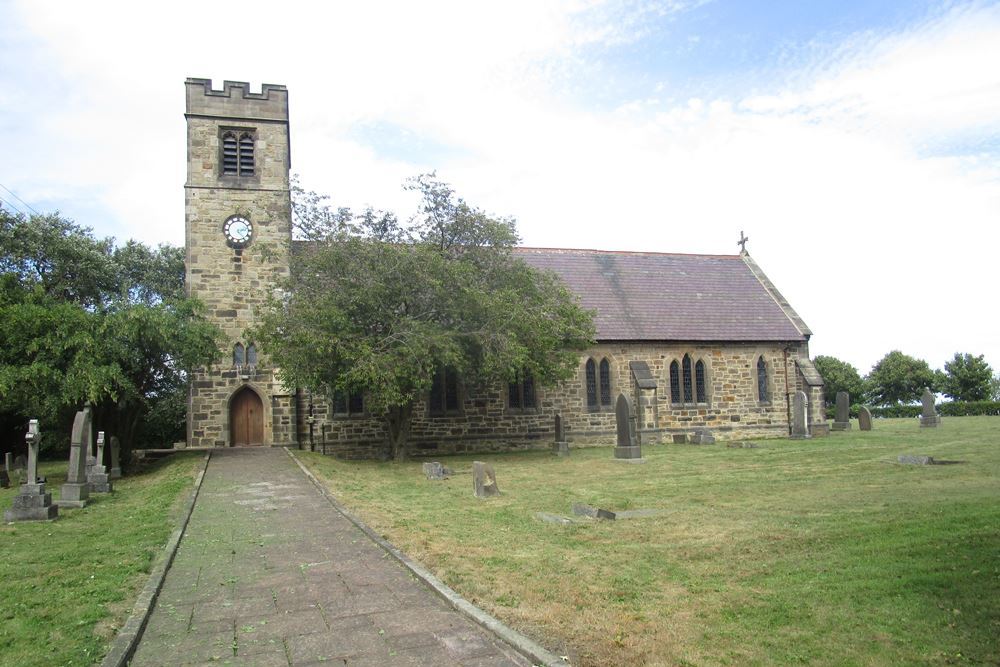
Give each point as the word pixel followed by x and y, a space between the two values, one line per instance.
pixel 238 230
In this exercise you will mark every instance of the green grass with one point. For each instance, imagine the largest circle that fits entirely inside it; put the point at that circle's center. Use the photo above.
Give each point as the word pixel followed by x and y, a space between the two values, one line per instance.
pixel 66 585
pixel 799 552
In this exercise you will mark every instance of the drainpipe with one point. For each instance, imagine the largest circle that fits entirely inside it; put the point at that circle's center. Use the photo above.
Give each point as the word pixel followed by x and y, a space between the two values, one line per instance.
pixel 788 399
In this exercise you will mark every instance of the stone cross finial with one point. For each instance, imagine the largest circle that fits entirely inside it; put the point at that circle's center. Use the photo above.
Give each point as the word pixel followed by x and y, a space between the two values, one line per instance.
pixel 742 243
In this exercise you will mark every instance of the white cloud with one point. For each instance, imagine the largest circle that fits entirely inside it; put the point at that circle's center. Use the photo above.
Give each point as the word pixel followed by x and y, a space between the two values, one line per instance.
pixel 845 175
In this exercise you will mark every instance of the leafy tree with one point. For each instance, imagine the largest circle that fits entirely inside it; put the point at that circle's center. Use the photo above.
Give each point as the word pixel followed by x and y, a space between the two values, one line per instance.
pixel 968 378
pixel 900 378
pixel 839 376
pixel 82 320
pixel 376 306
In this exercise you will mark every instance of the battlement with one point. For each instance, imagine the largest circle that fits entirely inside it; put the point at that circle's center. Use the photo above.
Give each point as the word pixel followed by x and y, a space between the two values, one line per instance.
pixel 269 104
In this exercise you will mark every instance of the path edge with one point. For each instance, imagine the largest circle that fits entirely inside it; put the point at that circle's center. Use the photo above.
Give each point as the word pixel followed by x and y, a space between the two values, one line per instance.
pixel 538 654
pixel 124 644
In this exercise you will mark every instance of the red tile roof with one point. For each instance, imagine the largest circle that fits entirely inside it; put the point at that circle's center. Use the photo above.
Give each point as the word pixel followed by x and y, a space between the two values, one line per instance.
pixel 658 296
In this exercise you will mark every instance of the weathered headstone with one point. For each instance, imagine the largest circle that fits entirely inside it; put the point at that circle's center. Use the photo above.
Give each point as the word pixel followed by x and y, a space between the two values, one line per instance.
pixel 800 416
pixel 97 474
pixel 680 438
pixel 928 415
pixel 627 448
pixel 20 462
pixel 76 490
pixel 32 503
pixel 434 470
pixel 702 436
pixel 913 460
pixel 842 419
pixel 581 509
pixel 116 468
pixel 548 517
pixel 560 447
pixel 864 418
pixel 484 480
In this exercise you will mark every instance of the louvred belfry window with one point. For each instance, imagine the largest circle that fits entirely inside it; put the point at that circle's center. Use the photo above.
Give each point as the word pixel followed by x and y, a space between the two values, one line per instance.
pixel 237 154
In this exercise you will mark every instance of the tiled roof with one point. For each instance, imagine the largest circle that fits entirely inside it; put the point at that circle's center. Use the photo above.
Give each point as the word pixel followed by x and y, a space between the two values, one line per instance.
pixel 656 296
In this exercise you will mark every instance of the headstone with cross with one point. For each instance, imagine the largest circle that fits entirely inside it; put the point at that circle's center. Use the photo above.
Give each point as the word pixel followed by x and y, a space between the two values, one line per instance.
pixel 32 503
pixel 97 474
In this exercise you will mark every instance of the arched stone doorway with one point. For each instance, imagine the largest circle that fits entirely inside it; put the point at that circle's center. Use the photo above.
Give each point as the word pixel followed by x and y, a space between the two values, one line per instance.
pixel 246 418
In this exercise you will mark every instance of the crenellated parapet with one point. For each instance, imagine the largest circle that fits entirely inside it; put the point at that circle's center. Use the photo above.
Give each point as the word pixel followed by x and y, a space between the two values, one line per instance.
pixel 235 99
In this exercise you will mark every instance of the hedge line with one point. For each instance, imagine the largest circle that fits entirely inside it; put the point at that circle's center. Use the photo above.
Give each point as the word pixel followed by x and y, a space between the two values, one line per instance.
pixel 950 409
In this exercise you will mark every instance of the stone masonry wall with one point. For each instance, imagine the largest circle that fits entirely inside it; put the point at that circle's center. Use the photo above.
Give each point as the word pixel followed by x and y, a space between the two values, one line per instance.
pixel 486 424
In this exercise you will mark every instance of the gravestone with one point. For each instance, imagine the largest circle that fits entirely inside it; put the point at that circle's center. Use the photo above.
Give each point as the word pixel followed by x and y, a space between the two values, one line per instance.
pixel 560 447
pixel 800 416
pixel 116 469
pixel 702 436
pixel 581 509
pixel 76 490
pixel 864 418
pixel 842 420
pixel 914 460
pixel 434 470
pixel 548 517
pixel 97 474
pixel 680 438
pixel 5 473
pixel 928 415
pixel 32 503
pixel 20 462
pixel 484 480
pixel 627 448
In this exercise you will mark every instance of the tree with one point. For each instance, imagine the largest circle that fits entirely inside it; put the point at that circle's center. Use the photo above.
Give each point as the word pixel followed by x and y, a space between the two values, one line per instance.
pixel 968 378
pixel 375 306
pixel 82 320
pixel 899 378
pixel 839 376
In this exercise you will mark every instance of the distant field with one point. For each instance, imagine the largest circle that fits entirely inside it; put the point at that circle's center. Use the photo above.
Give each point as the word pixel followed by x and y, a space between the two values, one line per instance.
pixel 810 552
pixel 66 585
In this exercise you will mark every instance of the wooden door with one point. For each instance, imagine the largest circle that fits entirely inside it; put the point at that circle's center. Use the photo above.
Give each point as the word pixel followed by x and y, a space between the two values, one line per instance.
pixel 246 419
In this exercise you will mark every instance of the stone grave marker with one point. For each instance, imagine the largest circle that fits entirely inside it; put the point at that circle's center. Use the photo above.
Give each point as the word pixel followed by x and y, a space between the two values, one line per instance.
pixel 581 509
pixel 484 480
pixel 702 436
pixel 433 470
pixel 928 415
pixel 864 418
pixel 627 448
pixel 842 419
pixel 76 490
pixel 560 447
pixel 97 474
pixel 32 503
pixel 680 438
pixel 548 517
pixel 800 425
pixel 20 462
pixel 914 460
pixel 116 469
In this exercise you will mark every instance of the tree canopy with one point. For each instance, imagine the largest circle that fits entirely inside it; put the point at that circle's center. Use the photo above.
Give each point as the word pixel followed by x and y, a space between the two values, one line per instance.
pixel 839 376
pixel 968 378
pixel 900 378
pixel 84 320
pixel 376 306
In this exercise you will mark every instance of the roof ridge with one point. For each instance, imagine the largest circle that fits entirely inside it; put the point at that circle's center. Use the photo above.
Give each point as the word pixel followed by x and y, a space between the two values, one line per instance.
pixel 627 252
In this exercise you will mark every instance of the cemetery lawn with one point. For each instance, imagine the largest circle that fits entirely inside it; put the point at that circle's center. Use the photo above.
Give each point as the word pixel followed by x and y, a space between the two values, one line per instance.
pixel 67 585
pixel 822 551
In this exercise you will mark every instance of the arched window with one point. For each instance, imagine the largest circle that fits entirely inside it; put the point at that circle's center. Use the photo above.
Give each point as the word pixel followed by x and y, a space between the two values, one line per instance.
pixel 605 383
pixel 762 394
pixel 675 382
pixel 688 393
pixel 238 356
pixel 591 382
pixel 521 395
pixel 237 154
pixel 252 355
pixel 699 382
pixel 444 392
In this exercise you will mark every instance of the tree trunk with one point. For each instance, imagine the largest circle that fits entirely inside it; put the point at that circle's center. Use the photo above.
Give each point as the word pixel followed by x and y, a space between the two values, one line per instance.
pixel 398 422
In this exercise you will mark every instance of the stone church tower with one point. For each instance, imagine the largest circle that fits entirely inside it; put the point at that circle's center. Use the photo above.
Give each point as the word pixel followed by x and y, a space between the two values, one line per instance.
pixel 236 205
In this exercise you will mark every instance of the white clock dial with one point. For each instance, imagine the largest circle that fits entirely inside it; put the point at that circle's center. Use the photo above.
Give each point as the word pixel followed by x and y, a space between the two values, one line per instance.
pixel 238 230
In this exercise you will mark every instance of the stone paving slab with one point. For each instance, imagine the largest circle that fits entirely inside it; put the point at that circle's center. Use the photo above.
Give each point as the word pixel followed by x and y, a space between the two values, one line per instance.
pixel 268 573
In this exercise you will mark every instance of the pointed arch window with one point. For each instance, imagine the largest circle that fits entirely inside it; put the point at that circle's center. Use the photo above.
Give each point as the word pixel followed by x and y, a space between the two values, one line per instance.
pixel 239 355
pixel 675 382
pixel 238 153
pixel 605 383
pixel 444 393
pixel 762 394
pixel 699 382
pixel 591 384
pixel 521 394
pixel 252 355
pixel 688 393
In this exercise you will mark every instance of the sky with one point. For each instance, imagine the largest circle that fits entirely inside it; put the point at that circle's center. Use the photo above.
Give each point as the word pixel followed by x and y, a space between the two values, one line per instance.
pixel 856 144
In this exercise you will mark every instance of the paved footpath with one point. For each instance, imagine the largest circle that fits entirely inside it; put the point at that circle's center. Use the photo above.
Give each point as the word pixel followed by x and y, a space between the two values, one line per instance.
pixel 269 573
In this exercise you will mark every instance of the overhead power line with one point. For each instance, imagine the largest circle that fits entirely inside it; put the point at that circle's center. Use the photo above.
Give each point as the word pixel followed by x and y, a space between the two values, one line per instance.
pixel 14 195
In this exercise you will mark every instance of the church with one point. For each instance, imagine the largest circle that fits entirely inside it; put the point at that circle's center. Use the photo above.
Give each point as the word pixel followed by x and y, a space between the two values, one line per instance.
pixel 697 341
